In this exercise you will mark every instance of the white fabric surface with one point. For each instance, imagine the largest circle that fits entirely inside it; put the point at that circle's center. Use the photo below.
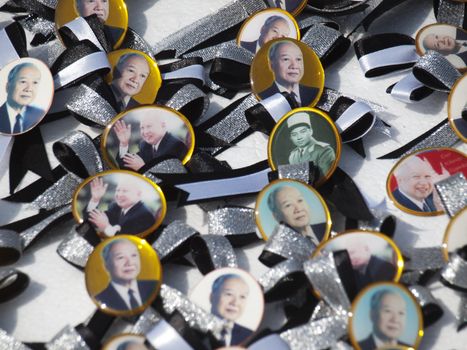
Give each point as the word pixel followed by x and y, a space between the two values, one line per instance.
pixel 57 294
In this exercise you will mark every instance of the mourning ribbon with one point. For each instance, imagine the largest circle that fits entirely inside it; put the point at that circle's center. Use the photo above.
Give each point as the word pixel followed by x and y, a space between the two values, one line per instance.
pixel 451 12
pixel 212 252
pixel 453 193
pixel 12 283
pixel 341 7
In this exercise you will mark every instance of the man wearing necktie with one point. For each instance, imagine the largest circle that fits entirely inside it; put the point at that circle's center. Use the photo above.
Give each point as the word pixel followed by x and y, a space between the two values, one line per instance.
pixel 16 114
pixel 123 264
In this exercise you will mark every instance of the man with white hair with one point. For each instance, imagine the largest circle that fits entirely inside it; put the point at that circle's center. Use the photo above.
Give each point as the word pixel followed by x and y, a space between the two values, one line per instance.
pixel 452 44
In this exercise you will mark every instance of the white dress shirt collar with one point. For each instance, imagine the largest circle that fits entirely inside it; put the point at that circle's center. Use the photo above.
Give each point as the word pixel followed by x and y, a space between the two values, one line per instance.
pixel 295 90
pixel 123 292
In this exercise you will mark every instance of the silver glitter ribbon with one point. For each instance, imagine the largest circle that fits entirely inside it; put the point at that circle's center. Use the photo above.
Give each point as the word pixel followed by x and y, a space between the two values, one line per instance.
pixel 187 94
pixel 7 342
pixel 194 315
pixel 230 50
pixel 231 221
pixel 289 244
pixel 321 38
pixel 67 339
pixel 421 259
pixel 281 270
pixel 423 295
pixel 436 66
pixel 299 172
pixel 207 54
pixel 49 3
pixel 455 271
pixel 451 12
pixel 336 6
pixel 75 249
pixel 38 25
pixel 11 240
pixel 134 41
pixel 453 193
pixel 60 193
pixel 322 310
pixel 146 321
pixel 168 166
pixel 176 233
pixel 309 21
pixel 220 250
pixel 205 28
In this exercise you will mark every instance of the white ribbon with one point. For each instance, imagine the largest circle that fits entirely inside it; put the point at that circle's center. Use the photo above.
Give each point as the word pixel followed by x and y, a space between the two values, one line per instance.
pixel 8 52
pixel 164 337
pixel 4 143
pixel 389 57
pixel 193 71
pixel 277 106
pixel 83 31
pixel 353 114
pixel 404 88
pixel 272 341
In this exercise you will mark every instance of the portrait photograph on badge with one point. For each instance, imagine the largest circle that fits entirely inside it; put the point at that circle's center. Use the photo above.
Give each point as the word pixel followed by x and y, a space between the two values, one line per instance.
pixel 455 236
pixel 112 13
pixel 143 135
pixel 119 202
pixel 26 94
pixel 374 256
pixel 448 40
pixel 411 182
pixel 305 135
pixel 264 26
pixel 296 205
pixel 126 341
pixel 287 65
pixel 457 108
pixel 134 79
pixel 292 6
pixel 234 295
pixel 385 314
pixel 123 275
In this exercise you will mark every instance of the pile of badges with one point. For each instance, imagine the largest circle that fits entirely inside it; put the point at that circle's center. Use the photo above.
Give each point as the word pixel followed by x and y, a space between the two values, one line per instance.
pixel 334 269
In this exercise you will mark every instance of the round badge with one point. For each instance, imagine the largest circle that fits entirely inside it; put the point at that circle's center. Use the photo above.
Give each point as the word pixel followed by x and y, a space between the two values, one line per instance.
pixel 411 181
pixel 292 6
pixel 287 65
pixel 141 135
pixel 234 295
pixel 385 313
pixel 455 237
pixel 134 79
pixel 446 39
pixel 112 13
pixel 265 26
pixel 374 256
pixel 457 108
pixel 295 204
pixel 126 341
pixel 119 202
pixel 26 94
pixel 123 275
pixel 305 135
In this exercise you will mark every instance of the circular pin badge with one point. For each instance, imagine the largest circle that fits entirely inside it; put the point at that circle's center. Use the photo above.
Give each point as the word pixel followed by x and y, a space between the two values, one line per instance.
pixel 142 135
pixel 135 78
pixel 411 182
pixel 26 93
pixel 119 202
pixel 446 39
pixel 292 6
pixel 305 135
pixel 385 313
pixel 112 13
pixel 265 26
pixel 457 108
pixel 295 204
pixel 374 256
pixel 454 236
pixel 287 65
pixel 234 295
pixel 123 275
pixel 126 341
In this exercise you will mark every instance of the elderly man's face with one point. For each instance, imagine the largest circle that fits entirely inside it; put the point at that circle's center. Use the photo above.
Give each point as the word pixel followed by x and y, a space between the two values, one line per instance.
pixel 152 129
pixel 127 195
pixel 124 262
pixel 231 299
pixel 293 208
pixel 98 7
pixel 359 254
pixel 301 135
pixel 288 65
pixel 441 43
pixel 389 320
pixel 23 89
pixel 417 180
pixel 278 29
pixel 132 77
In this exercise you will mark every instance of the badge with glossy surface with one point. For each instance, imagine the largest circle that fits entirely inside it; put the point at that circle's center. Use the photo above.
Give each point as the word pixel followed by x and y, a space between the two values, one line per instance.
pixel 457 108
pixel 455 236
pixel 123 275
pixel 126 341
pixel 292 6
pixel 119 202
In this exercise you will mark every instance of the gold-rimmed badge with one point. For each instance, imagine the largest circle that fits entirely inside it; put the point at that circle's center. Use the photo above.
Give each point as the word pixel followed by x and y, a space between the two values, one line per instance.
pixel 410 183
pixel 287 65
pixel 305 135
pixel 134 79
pixel 266 25
pixel 143 134
pixel 125 341
pixel 295 204
pixel 26 94
pixel 119 202
pixel 457 108
pixel 234 295
pixel 447 40
pixel 292 6
pixel 112 13
pixel 454 236
pixel 123 275
pixel 387 313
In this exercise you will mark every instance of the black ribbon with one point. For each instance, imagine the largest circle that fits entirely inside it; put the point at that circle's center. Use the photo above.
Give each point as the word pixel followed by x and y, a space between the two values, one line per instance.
pixel 12 283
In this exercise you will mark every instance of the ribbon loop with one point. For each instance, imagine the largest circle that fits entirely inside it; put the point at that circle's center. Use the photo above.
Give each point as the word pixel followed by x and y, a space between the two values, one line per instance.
pixel 12 283
pixel 451 12
pixel 164 337
pixel 453 193
pixel 409 89
pixel 455 272
pixel 75 248
pixel 431 310
pixel 13 43
pixel 212 252
pixel 174 240
pixel 435 71
pixel 67 338
pixel 11 247
pixel 190 101
pixel 89 28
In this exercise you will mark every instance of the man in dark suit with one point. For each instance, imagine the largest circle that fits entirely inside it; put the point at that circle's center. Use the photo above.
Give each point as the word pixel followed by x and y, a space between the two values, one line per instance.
pixel 286 62
pixel 274 27
pixel 16 114
pixel 127 215
pixel 452 45
pixel 228 297
pixel 123 264
pixel 156 142
pixel 288 5
pixel 388 315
